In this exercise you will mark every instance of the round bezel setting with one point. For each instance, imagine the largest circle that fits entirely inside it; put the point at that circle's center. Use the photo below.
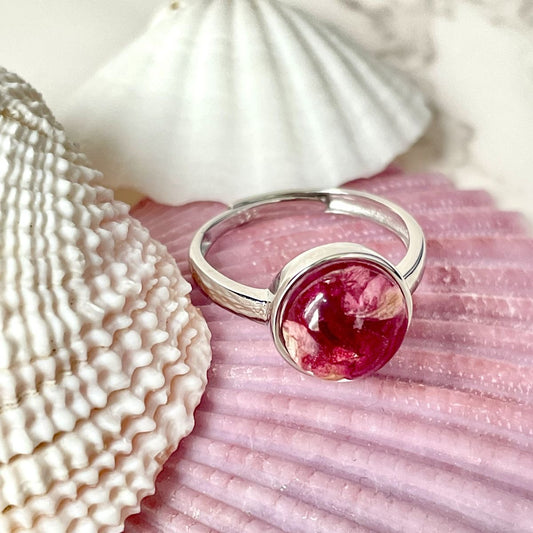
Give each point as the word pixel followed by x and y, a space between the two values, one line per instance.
pixel 340 311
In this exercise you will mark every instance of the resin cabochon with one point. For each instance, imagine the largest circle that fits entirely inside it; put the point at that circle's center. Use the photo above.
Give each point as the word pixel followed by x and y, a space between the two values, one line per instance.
pixel 440 439
pixel 341 319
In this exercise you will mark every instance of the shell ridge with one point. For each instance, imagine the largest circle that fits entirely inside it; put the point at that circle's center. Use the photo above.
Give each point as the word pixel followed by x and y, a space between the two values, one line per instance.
pixel 395 86
pixel 212 47
pixel 212 83
pixel 180 519
pixel 431 332
pixel 511 252
pixel 509 281
pixel 369 77
pixel 203 506
pixel 244 87
pixel 490 309
pixel 197 341
pixel 226 488
pixel 289 128
pixel 42 146
pixel 375 69
pixel 397 433
pixel 361 501
pixel 437 365
pixel 307 56
pixel 305 30
pixel 381 470
pixel 52 305
pixel 191 29
pixel 467 411
pixel 4 208
pixel 386 184
pixel 41 384
pixel 19 98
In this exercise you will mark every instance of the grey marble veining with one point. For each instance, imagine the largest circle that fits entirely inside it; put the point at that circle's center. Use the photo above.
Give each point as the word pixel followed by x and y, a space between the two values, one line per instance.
pixel 474 60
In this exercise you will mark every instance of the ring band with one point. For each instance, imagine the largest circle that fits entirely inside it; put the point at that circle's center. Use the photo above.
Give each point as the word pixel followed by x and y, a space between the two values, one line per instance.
pixel 337 311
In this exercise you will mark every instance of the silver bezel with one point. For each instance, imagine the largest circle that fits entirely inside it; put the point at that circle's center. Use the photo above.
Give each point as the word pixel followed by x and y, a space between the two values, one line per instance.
pixel 315 258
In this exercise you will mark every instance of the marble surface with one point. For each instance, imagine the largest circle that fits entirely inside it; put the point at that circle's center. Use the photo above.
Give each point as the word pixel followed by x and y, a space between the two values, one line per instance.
pixel 473 59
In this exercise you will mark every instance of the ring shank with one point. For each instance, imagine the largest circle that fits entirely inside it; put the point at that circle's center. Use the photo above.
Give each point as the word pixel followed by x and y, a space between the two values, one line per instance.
pixel 255 302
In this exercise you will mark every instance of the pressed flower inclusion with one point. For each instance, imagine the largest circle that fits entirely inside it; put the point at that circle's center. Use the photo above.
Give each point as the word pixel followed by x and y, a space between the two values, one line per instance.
pixel 344 320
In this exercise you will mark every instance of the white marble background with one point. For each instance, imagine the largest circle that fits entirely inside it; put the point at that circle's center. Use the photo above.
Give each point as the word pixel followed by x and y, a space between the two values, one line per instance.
pixel 473 59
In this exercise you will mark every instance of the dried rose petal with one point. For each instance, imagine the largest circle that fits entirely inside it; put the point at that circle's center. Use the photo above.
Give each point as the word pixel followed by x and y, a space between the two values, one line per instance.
pixel 345 320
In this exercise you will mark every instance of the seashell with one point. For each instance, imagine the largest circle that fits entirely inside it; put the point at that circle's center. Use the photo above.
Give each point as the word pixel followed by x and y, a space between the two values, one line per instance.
pixel 103 358
pixel 441 439
pixel 224 98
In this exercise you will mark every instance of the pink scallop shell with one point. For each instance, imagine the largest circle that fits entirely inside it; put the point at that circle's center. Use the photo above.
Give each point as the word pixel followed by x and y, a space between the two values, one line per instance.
pixel 439 440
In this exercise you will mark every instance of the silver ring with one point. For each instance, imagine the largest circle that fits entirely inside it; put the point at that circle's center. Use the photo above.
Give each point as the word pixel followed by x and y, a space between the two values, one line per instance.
pixel 337 311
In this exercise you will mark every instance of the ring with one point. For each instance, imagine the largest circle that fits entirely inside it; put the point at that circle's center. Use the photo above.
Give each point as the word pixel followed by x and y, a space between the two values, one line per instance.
pixel 338 311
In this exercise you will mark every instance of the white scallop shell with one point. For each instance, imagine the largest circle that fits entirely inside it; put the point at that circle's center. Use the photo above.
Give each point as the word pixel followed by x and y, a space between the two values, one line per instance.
pixel 224 98
pixel 102 356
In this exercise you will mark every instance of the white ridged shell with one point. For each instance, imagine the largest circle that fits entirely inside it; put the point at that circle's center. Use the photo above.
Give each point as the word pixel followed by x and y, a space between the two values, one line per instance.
pixel 224 98
pixel 102 356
